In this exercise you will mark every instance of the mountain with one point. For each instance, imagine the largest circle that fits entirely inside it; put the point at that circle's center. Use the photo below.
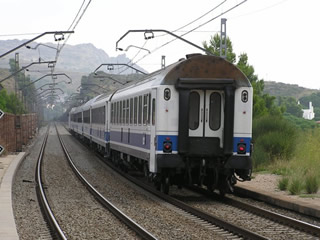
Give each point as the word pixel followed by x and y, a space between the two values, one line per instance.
pixel 287 90
pixel 83 58
pixel 74 60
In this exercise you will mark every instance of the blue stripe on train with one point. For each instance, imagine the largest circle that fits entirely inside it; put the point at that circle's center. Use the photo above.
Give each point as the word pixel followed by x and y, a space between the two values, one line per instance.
pixel 163 138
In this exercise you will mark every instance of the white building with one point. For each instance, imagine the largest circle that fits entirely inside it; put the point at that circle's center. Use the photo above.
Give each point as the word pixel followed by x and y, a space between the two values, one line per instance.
pixel 308 113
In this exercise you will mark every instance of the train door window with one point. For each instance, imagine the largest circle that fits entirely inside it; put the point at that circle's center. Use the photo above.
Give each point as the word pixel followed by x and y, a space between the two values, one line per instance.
pixel 135 110
pixel 194 104
pixel 153 111
pixel 131 111
pixel 215 111
pixel 145 109
pixel 140 110
pixel 127 112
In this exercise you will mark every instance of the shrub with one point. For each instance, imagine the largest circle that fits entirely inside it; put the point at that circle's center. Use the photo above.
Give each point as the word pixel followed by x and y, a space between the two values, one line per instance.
pixel 312 184
pixel 273 137
pixel 283 183
pixel 295 187
pixel 260 157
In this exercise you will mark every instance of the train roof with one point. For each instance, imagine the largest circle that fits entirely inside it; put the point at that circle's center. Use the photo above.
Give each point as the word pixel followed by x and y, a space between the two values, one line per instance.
pixel 196 67
pixel 88 104
pixel 211 68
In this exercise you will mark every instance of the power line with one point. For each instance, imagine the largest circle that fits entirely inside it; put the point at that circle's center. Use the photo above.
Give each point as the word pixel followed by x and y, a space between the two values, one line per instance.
pixel 73 28
pixel 77 14
pixel 192 30
pixel 203 15
pixel 260 10
pixel 177 30
pixel 19 34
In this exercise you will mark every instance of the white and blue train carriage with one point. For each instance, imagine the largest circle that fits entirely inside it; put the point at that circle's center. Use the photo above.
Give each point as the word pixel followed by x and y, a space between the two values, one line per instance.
pixel 187 123
pixel 100 133
pixel 76 120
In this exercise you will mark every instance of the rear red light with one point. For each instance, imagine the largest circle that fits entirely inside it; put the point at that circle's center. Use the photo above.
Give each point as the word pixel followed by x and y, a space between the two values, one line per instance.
pixel 241 148
pixel 167 146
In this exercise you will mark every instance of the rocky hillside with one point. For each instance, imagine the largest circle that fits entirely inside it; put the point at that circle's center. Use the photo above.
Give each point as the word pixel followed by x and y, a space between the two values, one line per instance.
pixel 287 90
pixel 83 58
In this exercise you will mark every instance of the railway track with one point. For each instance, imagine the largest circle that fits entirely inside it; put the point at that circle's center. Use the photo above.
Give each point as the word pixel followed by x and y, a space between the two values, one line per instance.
pixel 144 234
pixel 56 228
pixel 264 213
pixel 42 198
pixel 280 228
pixel 219 224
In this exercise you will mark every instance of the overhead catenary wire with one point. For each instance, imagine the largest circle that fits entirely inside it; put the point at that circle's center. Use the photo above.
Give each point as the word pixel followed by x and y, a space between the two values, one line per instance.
pixel 72 26
pixel 192 30
pixel 178 29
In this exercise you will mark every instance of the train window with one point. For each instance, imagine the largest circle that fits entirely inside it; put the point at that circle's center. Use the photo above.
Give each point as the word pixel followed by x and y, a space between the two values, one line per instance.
pixel 123 121
pixel 215 111
pixel 145 109
pixel 116 113
pixel 127 112
pixel 135 110
pixel 153 111
pixel 120 111
pixel 194 104
pixel 140 110
pixel 111 117
pixel 149 109
pixel 103 120
pixel 131 111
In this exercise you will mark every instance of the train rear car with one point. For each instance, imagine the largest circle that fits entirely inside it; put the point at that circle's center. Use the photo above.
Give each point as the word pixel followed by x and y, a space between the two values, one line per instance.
pixel 188 123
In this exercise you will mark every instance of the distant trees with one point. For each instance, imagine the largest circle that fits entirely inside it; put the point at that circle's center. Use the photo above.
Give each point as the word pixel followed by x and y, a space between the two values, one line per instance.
pixel 291 106
pixel 10 103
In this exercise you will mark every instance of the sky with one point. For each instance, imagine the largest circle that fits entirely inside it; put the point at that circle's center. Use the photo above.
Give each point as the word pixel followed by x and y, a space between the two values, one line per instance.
pixel 280 37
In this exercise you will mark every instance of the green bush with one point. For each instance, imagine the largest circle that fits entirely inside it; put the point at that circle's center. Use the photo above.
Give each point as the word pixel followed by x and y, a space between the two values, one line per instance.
pixel 273 137
pixel 283 183
pixel 260 157
pixel 295 186
pixel 312 184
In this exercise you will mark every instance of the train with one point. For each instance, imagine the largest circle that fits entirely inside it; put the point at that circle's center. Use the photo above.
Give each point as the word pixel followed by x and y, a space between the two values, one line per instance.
pixel 188 123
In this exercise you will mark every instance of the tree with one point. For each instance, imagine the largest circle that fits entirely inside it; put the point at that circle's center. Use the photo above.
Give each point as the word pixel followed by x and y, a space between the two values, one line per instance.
pixel 262 103
pixel 290 105
pixel 214 47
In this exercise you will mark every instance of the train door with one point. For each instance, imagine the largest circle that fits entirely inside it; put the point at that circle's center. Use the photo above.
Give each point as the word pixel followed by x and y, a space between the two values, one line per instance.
pixel 152 161
pixel 206 116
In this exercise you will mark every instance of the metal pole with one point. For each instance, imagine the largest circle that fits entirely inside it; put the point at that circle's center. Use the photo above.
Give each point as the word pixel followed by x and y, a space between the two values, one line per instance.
pixel 223 38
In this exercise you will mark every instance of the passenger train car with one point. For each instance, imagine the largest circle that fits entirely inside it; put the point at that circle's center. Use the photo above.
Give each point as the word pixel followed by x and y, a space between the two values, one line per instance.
pixel 189 123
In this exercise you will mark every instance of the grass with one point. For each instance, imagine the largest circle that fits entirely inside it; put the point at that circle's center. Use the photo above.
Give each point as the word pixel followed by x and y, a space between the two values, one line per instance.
pixel 300 171
pixel 312 184
pixel 295 187
pixel 283 183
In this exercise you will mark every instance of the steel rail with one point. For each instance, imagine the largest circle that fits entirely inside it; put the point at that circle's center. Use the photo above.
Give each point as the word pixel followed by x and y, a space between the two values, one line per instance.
pixel 288 221
pixel 42 196
pixel 144 234
pixel 196 212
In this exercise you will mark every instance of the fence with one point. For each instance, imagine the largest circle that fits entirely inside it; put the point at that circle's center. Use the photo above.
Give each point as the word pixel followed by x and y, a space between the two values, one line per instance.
pixel 17 130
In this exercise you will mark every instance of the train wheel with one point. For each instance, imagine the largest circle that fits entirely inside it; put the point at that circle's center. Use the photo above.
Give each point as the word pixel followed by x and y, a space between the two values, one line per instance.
pixel 165 185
